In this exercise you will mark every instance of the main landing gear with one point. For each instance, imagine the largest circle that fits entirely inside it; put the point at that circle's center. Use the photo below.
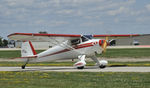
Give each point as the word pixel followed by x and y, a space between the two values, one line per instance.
pixel 80 67
pixel 102 66
pixel 81 63
pixel 102 63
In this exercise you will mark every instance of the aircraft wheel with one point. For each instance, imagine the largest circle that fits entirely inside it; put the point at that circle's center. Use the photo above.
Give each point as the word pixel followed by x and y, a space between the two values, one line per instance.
pixel 80 67
pixel 102 66
pixel 23 66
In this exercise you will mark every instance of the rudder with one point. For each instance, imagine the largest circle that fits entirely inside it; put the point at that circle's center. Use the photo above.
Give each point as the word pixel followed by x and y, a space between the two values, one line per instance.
pixel 27 49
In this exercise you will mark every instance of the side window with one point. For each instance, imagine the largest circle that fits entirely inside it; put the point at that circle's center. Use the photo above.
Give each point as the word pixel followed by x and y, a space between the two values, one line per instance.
pixel 75 41
pixel 84 39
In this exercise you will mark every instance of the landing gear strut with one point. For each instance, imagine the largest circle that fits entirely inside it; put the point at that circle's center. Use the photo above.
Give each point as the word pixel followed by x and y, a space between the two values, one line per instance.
pixel 81 63
pixel 102 63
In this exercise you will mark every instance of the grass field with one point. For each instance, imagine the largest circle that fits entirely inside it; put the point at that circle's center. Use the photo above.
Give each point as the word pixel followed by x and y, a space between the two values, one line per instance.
pixel 133 53
pixel 111 53
pixel 12 53
pixel 74 80
pixel 77 79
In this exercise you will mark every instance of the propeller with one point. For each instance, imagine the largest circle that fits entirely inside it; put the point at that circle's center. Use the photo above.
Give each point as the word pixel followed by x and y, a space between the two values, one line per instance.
pixel 105 45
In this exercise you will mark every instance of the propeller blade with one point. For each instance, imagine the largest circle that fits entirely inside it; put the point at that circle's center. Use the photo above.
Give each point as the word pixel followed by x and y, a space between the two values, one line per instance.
pixel 105 45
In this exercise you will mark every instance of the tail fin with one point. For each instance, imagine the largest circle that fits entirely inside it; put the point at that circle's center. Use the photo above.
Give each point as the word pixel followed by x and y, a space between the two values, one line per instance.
pixel 27 49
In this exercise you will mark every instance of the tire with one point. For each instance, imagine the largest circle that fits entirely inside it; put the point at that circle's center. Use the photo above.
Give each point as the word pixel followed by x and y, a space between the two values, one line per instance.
pixel 80 67
pixel 23 67
pixel 102 66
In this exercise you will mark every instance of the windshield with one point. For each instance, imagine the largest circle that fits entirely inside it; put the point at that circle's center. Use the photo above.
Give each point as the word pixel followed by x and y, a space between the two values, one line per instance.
pixel 86 37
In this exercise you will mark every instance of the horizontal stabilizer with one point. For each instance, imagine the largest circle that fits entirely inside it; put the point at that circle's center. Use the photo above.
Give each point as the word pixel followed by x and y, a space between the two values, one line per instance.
pixel 27 57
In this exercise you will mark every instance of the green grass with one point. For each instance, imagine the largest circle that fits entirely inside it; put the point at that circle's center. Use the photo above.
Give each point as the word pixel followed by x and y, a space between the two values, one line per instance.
pixel 111 53
pixel 13 53
pixel 10 54
pixel 74 80
pixel 121 53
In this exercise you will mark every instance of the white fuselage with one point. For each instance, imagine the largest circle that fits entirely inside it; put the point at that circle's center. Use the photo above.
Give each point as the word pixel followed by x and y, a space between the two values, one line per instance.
pixel 62 51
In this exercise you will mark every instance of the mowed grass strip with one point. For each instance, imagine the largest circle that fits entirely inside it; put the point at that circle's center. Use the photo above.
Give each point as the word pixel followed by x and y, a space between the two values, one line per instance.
pixel 121 53
pixel 74 80
pixel 13 53
pixel 111 53
pixel 10 54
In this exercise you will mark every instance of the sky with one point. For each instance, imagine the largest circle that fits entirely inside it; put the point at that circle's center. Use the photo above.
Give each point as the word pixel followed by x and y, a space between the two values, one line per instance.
pixel 75 16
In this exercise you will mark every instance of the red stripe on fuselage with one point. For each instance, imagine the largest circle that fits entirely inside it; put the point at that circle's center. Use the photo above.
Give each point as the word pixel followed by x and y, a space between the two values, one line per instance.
pixel 65 50
pixel 83 45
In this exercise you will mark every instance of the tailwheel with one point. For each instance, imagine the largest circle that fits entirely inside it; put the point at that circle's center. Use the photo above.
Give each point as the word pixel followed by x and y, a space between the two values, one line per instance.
pixel 80 67
pixel 23 66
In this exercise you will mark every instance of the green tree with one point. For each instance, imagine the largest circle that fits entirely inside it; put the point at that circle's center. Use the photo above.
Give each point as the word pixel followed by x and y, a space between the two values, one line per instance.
pixel 1 42
pixel 5 42
pixel 43 32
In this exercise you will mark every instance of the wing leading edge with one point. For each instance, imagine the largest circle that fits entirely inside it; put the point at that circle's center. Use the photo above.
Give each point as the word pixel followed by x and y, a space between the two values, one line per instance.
pixel 41 37
pixel 58 37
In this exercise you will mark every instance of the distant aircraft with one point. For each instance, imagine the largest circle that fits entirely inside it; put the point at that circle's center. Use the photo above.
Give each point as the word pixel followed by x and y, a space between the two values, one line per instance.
pixel 66 46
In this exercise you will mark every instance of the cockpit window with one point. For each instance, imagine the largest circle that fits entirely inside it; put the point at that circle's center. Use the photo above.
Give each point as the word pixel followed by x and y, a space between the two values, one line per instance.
pixel 86 38
pixel 83 38
pixel 75 41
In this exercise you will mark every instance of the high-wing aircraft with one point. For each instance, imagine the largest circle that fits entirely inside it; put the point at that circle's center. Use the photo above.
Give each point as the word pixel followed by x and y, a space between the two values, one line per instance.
pixel 66 46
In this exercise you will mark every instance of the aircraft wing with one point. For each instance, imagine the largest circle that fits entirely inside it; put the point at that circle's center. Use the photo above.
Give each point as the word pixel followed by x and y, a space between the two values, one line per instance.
pixel 59 38
pixel 116 36
pixel 42 37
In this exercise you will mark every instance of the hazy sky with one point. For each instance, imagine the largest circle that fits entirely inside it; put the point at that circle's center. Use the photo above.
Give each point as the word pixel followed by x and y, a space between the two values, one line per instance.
pixel 75 16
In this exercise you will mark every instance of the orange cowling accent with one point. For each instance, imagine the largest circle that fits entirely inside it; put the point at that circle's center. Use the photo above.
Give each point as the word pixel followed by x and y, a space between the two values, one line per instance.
pixel 101 42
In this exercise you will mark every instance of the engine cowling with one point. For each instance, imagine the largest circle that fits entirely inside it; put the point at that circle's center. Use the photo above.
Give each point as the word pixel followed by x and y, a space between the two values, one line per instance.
pixel 103 63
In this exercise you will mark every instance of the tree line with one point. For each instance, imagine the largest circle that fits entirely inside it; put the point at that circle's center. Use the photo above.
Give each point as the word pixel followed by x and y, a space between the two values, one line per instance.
pixel 3 42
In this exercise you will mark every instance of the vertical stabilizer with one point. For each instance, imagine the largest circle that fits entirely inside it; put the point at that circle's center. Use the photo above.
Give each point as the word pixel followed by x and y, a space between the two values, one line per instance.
pixel 27 49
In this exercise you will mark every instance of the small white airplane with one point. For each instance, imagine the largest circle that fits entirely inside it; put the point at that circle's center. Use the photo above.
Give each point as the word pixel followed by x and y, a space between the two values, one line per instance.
pixel 65 47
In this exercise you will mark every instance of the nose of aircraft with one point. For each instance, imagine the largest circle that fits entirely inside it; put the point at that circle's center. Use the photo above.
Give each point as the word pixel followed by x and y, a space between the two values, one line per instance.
pixel 101 42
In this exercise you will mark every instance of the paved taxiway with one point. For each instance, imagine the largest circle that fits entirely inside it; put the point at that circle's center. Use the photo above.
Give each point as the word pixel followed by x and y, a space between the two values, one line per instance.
pixel 72 69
